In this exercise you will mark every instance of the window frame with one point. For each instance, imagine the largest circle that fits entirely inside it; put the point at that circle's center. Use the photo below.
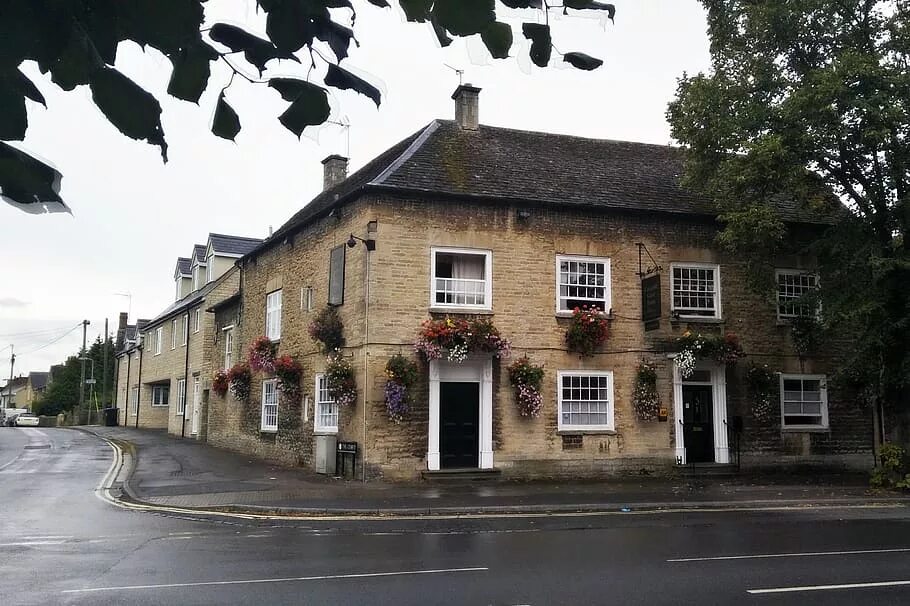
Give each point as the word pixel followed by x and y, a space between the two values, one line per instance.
pixel 608 279
pixel 134 394
pixel 186 329
pixel 209 268
pixel 228 346
pixel 318 427
pixel 197 319
pixel 718 309
pixel 159 336
pixel 611 403
pixel 263 426
pixel 823 393
pixel 157 389
pixel 487 270
pixel 174 333
pixel 180 404
pixel 269 314
pixel 778 272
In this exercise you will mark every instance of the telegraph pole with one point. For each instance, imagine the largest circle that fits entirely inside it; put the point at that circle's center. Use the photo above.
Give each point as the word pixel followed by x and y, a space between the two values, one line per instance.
pixel 104 367
pixel 85 324
pixel 12 361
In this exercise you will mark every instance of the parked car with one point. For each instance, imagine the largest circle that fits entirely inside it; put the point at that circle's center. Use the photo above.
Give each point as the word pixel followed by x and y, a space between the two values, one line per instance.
pixel 27 420
pixel 8 415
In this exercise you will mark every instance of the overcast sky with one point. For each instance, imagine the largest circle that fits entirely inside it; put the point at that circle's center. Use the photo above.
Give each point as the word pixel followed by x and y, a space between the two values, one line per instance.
pixel 133 215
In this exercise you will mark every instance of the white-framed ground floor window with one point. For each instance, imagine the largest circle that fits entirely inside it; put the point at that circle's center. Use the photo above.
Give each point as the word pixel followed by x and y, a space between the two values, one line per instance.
pixel 181 396
pixel 161 395
pixel 585 400
pixel 803 401
pixel 134 400
pixel 325 415
pixel 269 405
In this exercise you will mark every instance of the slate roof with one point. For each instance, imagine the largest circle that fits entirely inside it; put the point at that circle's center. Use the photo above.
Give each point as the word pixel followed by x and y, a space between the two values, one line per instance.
pixel 514 166
pixel 38 379
pixel 233 245
pixel 184 265
pixel 199 253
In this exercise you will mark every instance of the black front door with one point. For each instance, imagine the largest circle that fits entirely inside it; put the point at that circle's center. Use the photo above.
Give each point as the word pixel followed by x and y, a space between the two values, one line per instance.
pixel 698 427
pixel 459 415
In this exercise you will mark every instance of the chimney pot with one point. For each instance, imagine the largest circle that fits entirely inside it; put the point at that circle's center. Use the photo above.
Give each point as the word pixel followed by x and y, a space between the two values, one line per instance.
pixel 467 112
pixel 335 170
pixel 122 320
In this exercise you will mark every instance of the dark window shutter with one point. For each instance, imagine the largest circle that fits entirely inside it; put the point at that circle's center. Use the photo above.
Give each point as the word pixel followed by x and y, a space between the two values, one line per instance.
pixel 336 276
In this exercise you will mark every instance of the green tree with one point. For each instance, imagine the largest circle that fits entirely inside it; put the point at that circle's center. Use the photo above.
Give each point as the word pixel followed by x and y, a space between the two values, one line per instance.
pixel 62 393
pixel 808 101
pixel 75 42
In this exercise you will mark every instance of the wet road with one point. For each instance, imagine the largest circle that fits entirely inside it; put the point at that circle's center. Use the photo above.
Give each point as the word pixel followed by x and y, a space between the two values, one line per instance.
pixel 61 544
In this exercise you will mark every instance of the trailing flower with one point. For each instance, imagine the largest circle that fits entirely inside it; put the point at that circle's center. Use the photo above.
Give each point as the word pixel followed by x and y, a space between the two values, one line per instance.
pixel 527 379
pixel 645 398
pixel 723 349
pixel 240 376
pixel 288 372
pixel 340 375
pixel 761 383
pixel 402 375
pixel 588 330
pixel 262 355
pixel 458 337
pixel 220 383
pixel 327 329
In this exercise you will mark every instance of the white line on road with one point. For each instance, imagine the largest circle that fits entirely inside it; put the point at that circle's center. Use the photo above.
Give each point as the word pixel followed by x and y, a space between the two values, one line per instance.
pixel 30 543
pixel 827 587
pixel 807 554
pixel 362 575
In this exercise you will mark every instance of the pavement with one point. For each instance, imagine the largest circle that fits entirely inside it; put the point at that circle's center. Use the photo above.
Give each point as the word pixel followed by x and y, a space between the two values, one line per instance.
pixel 165 471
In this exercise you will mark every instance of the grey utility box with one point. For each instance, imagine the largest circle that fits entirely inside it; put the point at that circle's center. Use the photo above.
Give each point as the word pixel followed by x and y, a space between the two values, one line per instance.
pixel 325 454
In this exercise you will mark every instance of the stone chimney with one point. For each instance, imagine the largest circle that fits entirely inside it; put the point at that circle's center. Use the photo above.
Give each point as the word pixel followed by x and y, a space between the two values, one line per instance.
pixel 335 170
pixel 121 323
pixel 467 113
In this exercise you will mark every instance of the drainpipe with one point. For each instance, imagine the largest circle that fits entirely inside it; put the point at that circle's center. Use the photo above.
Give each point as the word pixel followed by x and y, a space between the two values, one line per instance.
pixel 126 409
pixel 186 372
pixel 139 387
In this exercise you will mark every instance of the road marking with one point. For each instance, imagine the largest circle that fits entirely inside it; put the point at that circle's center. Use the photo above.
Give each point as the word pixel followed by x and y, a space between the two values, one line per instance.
pixel 327 577
pixel 828 587
pixel 30 543
pixel 807 554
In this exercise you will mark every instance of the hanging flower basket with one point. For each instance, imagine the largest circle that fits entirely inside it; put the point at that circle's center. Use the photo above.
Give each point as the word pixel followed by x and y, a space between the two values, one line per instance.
pixel 239 379
pixel 327 330
pixel 340 375
pixel 402 376
pixel 761 383
pixel 645 398
pixel 262 355
pixel 457 338
pixel 220 383
pixel 288 372
pixel 527 379
pixel 723 349
pixel 588 330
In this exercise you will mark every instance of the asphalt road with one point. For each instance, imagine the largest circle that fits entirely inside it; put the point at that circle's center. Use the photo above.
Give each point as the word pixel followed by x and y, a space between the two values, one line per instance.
pixel 61 544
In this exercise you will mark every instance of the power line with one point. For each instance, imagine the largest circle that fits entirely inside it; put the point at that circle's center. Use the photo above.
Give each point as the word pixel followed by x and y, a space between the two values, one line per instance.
pixel 48 344
pixel 43 331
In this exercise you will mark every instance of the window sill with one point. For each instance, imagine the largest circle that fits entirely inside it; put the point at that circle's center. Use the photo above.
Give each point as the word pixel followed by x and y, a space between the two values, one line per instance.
pixel 461 310
pixel 268 431
pixel 569 314
pixel 587 432
pixel 696 320
pixel 805 429
pixel 325 432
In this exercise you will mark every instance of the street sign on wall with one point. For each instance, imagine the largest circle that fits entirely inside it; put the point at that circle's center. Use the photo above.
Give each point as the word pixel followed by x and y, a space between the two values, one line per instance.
pixel 650 301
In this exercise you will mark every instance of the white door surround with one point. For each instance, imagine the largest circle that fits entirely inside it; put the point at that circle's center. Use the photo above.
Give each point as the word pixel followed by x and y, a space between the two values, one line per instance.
pixel 718 385
pixel 473 370
pixel 195 425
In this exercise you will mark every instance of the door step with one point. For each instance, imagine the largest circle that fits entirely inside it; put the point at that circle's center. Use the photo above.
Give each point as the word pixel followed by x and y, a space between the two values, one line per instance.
pixel 461 475
pixel 707 470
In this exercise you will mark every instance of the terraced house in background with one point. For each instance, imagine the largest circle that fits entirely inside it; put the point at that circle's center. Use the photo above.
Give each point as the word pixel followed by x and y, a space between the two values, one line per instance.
pixel 163 374
pixel 470 222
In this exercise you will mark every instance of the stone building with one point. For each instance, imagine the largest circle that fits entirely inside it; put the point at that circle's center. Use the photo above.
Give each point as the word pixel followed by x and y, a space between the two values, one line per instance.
pixel 463 220
pixel 163 374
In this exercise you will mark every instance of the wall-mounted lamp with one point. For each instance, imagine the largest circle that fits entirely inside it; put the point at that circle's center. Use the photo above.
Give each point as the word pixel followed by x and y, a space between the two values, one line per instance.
pixel 524 214
pixel 370 243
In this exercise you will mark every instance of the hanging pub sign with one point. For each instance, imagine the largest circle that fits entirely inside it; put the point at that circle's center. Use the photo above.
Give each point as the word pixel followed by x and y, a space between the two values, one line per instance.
pixel 650 301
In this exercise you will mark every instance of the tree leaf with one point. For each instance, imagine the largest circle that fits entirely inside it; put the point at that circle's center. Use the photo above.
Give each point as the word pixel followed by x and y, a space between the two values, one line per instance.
pixel 416 10
pixel 379 3
pixel 133 110
pixel 337 36
pixel 523 3
pixel 191 71
pixel 291 24
pixel 541 46
pixel 13 117
pixel 338 77
pixel 498 39
pixel 464 17
pixel 590 5
pixel 167 25
pixel 582 61
pixel 255 50
pixel 226 123
pixel 441 34
pixel 99 20
pixel 310 106
pixel 76 63
pixel 25 86
pixel 27 182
